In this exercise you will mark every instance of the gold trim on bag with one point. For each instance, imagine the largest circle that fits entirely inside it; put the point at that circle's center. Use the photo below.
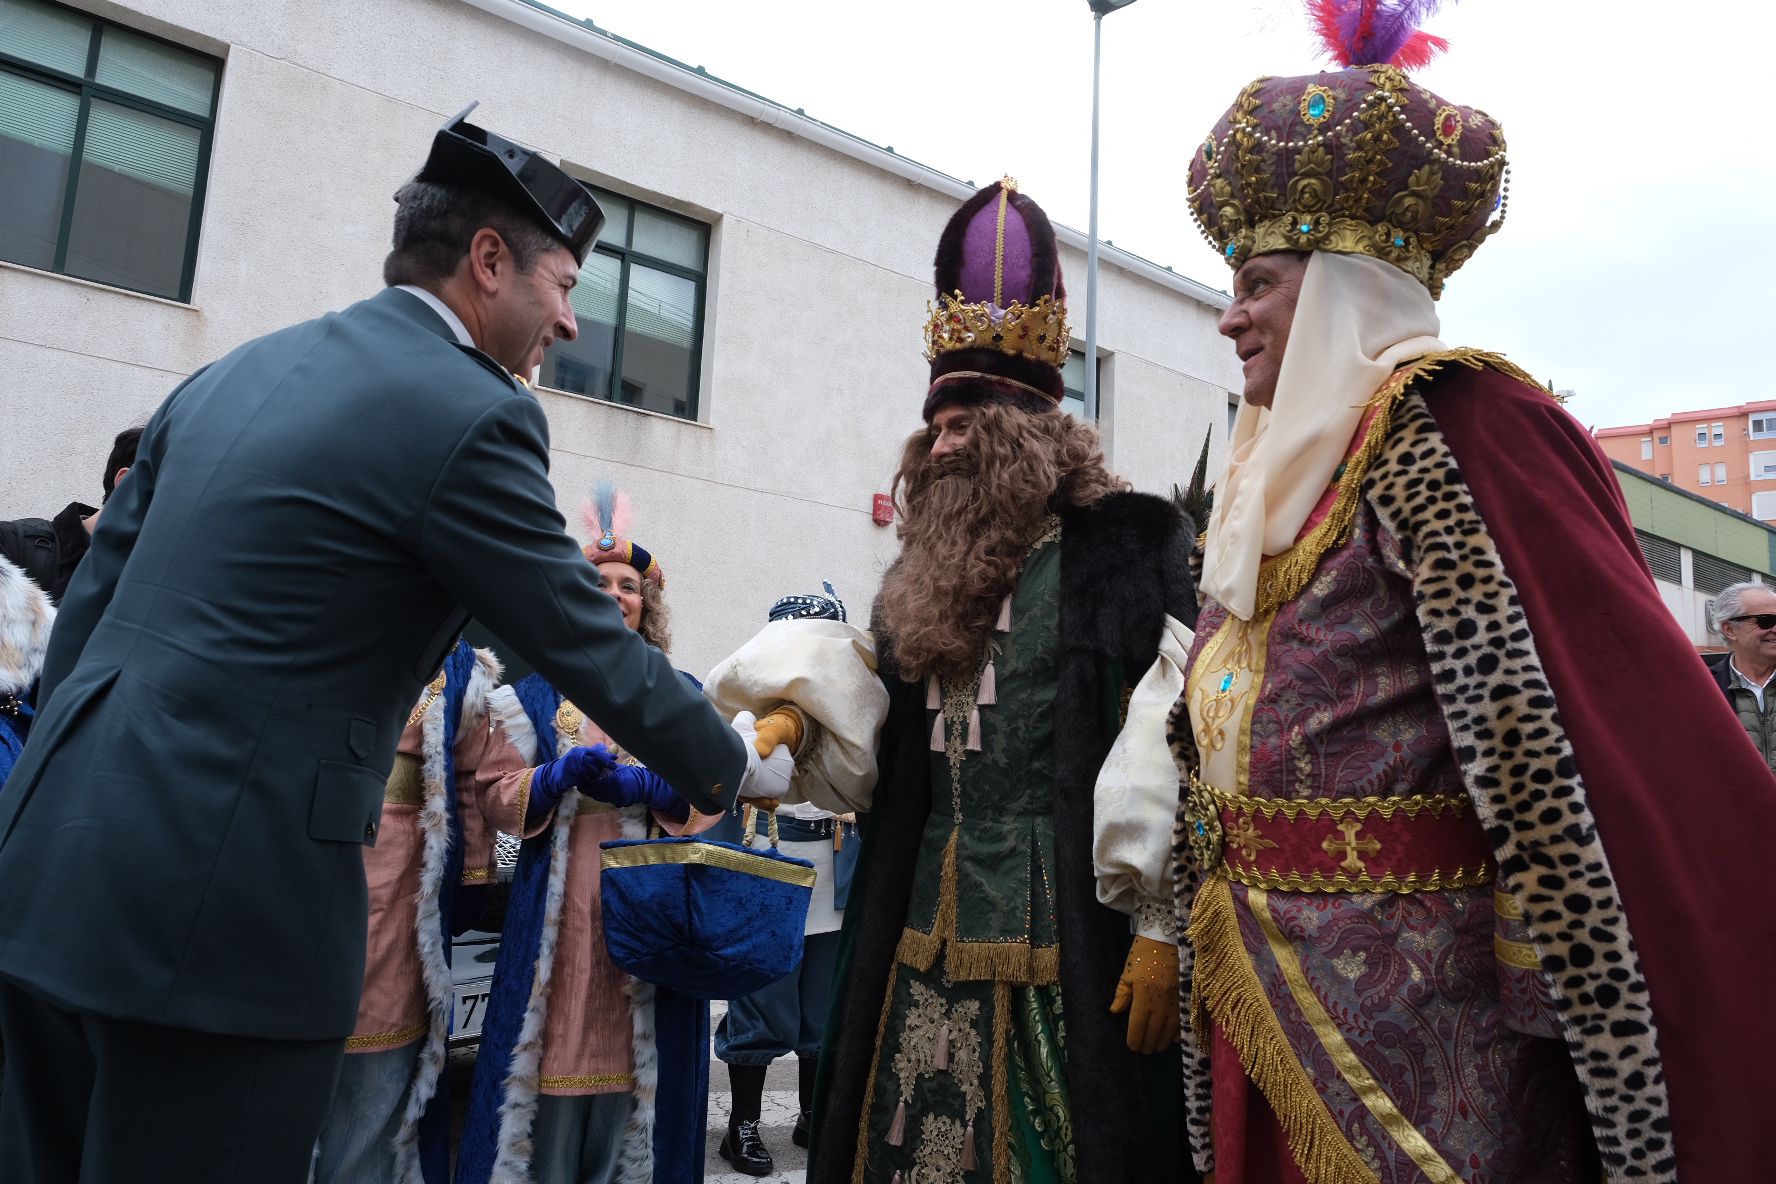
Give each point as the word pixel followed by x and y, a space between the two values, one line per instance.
pixel 651 854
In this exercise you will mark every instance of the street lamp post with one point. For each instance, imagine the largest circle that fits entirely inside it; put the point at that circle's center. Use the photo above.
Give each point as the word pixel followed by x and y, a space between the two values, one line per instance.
pixel 1099 9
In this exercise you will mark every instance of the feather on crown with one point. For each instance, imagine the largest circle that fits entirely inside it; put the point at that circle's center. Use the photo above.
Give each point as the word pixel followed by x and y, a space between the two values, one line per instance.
pixel 609 515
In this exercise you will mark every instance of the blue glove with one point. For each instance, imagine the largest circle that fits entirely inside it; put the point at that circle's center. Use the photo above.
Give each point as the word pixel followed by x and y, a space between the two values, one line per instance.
pixel 629 785
pixel 579 769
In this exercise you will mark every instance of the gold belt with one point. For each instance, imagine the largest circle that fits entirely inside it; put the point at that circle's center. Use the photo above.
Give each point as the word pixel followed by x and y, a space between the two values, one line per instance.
pixel 406 783
pixel 1421 842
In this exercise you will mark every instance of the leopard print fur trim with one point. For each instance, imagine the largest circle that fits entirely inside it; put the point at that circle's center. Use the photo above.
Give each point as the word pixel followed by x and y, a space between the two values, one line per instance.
pixel 1198 1087
pixel 1522 776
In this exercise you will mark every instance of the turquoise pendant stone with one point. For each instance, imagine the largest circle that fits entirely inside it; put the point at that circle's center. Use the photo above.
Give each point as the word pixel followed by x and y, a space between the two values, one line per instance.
pixel 1316 107
pixel 1232 248
pixel 1201 829
pixel 1399 241
pixel 1306 226
pixel 1226 683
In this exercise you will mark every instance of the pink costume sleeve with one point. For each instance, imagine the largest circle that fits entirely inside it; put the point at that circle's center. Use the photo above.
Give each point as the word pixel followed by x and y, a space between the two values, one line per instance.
pixel 501 783
pixel 696 824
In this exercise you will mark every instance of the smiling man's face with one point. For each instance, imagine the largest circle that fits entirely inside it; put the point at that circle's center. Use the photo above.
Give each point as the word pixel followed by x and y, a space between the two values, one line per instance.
pixel 1265 289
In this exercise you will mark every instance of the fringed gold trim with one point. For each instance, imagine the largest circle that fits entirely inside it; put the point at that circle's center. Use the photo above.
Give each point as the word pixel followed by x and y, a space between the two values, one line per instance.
pixel 920 950
pixel 1226 986
pixel 1007 962
pixel 1281 578
pixel 1002 1152
pixel 381 1040
pixel 861 1156
pixel 1436 880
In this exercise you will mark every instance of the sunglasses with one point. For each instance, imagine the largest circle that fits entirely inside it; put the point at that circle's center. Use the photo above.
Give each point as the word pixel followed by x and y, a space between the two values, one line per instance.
pixel 1761 620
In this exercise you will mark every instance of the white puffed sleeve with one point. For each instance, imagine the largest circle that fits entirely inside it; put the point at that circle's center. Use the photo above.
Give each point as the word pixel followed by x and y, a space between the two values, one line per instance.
pixel 827 671
pixel 1137 798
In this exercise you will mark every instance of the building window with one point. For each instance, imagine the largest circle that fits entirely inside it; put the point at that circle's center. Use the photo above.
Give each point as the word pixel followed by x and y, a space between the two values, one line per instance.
pixel 1763 505
pixel 104 148
pixel 1073 378
pixel 1720 474
pixel 639 304
pixel 1702 474
pixel 1720 434
pixel 1763 466
pixel 1702 435
pixel 1763 426
pixel 1646 448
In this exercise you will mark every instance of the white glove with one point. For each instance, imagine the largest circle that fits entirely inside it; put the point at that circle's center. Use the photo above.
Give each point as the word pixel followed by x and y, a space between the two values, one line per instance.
pixel 767 777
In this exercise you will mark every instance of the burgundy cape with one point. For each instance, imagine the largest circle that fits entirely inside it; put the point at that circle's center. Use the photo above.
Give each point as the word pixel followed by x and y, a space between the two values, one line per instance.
pixel 1683 801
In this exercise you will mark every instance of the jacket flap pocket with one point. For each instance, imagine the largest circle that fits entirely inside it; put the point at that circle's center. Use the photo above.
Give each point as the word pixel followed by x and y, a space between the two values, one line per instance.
pixel 347 804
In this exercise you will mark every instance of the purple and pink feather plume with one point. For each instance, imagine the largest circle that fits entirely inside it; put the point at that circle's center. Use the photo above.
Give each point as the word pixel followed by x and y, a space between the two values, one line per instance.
pixel 607 509
pixel 1372 32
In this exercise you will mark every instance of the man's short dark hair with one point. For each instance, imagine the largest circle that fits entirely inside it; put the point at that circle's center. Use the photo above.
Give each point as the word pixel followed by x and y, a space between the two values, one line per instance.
pixel 434 225
pixel 123 455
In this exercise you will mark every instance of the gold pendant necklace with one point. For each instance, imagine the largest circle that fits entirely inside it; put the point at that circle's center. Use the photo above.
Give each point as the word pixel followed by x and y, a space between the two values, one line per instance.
pixel 432 691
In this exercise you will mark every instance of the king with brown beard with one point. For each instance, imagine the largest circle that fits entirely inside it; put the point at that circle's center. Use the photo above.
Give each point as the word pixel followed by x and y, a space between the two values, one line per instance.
pixel 992 1020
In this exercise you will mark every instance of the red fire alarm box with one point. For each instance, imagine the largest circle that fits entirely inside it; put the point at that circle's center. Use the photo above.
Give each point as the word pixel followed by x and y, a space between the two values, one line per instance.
pixel 882 510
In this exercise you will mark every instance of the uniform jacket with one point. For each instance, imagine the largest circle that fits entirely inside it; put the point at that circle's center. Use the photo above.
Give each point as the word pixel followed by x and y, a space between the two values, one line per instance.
pixel 309 524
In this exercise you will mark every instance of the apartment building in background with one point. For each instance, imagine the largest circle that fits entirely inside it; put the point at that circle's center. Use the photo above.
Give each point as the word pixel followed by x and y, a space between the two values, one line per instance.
pixel 1725 454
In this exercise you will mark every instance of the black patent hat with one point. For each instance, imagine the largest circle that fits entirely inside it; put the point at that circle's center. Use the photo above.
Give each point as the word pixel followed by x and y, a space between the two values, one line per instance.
pixel 475 158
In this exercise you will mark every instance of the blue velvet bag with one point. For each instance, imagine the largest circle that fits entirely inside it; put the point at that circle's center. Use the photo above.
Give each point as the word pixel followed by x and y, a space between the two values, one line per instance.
pixel 709 920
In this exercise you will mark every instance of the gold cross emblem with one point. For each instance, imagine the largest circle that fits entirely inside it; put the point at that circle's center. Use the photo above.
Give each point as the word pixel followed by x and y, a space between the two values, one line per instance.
pixel 1349 846
pixel 1244 835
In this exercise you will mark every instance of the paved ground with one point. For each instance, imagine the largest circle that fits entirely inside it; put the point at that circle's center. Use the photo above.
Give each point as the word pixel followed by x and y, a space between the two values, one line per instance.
pixel 776 1122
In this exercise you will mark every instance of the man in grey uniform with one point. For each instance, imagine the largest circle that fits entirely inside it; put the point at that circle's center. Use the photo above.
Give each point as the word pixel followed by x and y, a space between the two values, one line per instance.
pixel 308 525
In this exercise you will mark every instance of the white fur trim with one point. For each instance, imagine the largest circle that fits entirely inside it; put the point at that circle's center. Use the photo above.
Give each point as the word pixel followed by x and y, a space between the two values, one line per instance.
pixel 506 713
pixel 434 825
pixel 484 676
pixel 517 1113
pixel 25 619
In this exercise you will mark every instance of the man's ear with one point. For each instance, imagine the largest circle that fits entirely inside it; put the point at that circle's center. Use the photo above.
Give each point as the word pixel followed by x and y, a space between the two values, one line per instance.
pixel 489 261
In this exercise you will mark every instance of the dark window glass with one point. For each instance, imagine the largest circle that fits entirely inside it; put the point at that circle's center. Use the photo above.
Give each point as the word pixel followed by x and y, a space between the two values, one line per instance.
pixel 1073 378
pixel 104 143
pixel 639 304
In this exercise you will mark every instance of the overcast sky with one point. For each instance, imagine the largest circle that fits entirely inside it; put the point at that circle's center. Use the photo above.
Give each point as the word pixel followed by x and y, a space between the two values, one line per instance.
pixel 1635 265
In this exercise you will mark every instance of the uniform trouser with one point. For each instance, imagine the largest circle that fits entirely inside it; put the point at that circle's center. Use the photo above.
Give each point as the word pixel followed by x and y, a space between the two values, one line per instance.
pixel 579 1140
pixel 97 1100
pixel 357 1143
pixel 784 1016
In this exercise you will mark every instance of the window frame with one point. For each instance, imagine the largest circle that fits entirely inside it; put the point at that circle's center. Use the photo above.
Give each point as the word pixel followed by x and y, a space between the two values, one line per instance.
pixel 1701 435
pixel 1763 493
pixel 625 255
pixel 1763 470
pixel 1768 432
pixel 1704 473
pixel 88 89
pixel 1720 435
pixel 1720 472
pixel 1646 448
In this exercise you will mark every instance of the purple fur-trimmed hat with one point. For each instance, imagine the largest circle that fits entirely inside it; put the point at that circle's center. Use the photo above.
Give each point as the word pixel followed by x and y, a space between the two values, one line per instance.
pixel 998 331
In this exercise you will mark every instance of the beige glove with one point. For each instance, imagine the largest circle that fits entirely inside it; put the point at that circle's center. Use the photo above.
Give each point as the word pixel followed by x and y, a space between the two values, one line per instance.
pixel 775 739
pixel 1148 991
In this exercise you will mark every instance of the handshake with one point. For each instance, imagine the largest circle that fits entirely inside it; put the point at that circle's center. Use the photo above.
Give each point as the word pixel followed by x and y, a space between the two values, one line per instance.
pixel 593 771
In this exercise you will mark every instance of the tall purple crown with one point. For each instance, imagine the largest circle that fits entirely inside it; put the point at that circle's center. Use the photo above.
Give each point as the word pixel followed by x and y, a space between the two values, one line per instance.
pixel 998 330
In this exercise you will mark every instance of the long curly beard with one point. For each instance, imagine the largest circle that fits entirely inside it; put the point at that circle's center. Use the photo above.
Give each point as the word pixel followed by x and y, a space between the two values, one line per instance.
pixel 966 522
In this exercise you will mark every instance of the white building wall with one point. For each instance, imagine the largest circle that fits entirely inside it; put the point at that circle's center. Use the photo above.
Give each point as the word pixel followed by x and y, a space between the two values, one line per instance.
pixel 820 268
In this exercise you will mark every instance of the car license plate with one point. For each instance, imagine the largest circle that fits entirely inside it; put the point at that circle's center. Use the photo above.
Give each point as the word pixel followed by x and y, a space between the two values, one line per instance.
pixel 471 1008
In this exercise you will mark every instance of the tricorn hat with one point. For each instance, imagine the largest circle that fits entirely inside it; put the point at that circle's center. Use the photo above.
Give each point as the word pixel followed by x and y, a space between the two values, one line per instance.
pixel 474 158
pixel 998 332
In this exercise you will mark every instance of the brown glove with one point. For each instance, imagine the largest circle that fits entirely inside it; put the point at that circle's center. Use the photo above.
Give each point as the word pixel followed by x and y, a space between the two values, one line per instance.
pixel 1148 991
pixel 782 726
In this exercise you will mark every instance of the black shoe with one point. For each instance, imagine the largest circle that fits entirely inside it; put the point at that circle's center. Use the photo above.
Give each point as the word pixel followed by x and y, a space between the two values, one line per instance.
pixel 746 1151
pixel 799 1136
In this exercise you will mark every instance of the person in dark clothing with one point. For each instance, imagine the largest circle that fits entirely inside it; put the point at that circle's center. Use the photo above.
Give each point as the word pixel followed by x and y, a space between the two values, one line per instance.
pixel 48 549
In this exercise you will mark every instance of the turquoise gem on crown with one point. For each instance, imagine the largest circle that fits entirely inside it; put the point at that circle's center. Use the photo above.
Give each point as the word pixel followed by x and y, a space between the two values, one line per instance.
pixel 1316 106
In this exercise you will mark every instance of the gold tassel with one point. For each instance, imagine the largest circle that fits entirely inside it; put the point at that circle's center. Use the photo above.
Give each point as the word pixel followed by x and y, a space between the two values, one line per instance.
pixel 1227 988
pixel 897 1128
pixel 1003 961
pixel 1002 1153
